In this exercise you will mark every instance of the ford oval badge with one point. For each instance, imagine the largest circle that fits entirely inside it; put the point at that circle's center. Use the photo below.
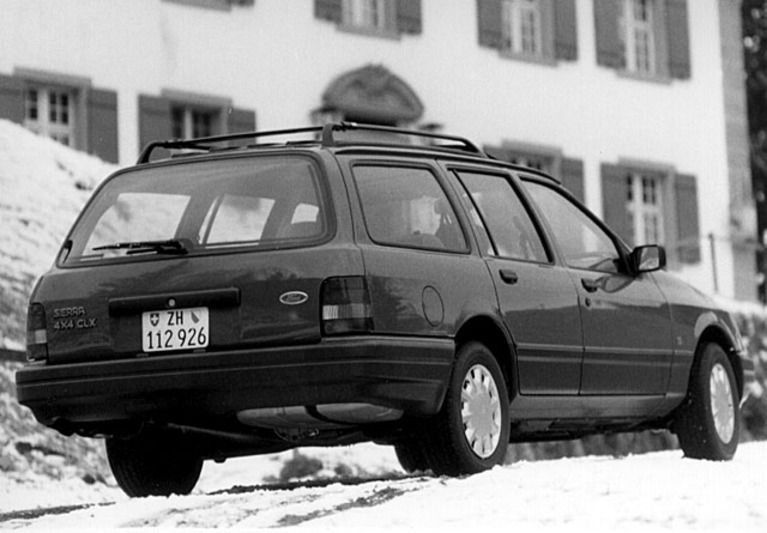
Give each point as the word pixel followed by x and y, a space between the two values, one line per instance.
pixel 294 298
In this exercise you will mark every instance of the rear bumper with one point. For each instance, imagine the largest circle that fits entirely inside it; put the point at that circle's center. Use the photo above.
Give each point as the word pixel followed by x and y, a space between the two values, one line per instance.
pixel 406 374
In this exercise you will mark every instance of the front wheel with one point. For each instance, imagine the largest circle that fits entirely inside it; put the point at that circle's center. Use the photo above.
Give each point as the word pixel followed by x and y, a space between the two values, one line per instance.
pixel 708 424
pixel 471 432
pixel 145 466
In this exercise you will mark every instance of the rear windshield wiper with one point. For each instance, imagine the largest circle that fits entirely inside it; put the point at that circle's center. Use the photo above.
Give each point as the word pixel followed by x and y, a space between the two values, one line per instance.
pixel 170 247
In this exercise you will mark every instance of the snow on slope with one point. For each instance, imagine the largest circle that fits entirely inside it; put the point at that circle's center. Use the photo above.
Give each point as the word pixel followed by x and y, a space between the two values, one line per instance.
pixel 43 186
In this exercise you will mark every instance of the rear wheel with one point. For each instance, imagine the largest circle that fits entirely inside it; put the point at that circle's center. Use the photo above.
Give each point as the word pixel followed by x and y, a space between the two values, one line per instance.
pixel 471 432
pixel 708 424
pixel 145 466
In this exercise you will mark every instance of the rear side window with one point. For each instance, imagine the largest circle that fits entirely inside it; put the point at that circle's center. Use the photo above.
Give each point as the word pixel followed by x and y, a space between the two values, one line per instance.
pixel 206 207
pixel 511 229
pixel 407 207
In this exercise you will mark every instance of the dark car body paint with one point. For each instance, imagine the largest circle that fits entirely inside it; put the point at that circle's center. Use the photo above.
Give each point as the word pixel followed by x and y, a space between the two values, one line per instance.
pixel 640 332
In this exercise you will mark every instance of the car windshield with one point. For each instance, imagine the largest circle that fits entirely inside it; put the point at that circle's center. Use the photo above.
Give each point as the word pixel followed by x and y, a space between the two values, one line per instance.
pixel 201 207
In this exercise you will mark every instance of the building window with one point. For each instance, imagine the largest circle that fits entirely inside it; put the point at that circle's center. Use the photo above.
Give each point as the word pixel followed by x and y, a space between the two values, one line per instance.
pixel 541 30
pixel 522 28
pixel 222 5
pixel 647 38
pixel 377 18
pixel 644 207
pixel 191 123
pixel 369 14
pixel 50 112
pixel 63 107
pixel 183 115
pixel 647 204
pixel 638 33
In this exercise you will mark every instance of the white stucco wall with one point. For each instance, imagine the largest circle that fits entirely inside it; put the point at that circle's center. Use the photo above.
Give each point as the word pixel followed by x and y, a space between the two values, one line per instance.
pixel 278 59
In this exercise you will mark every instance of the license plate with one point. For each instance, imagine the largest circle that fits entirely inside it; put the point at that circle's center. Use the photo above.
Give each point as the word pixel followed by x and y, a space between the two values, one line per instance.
pixel 175 329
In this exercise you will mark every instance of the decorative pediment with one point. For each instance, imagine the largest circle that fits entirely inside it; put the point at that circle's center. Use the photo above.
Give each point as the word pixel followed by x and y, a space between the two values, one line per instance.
pixel 372 93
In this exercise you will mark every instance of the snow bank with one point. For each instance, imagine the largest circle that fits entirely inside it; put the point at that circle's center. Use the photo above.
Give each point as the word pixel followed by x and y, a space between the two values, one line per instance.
pixel 44 185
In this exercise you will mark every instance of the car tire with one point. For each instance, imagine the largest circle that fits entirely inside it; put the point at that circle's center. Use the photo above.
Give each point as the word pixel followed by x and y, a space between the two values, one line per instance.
pixel 152 467
pixel 708 423
pixel 471 432
pixel 411 456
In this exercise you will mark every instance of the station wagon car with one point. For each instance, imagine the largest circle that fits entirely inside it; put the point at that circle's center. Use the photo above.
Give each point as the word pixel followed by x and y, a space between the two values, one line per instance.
pixel 353 283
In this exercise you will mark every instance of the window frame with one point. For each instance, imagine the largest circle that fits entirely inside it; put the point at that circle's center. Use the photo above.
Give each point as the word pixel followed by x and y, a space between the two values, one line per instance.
pixel 387 28
pixel 438 179
pixel 675 187
pixel 638 208
pixel 631 28
pixel 43 125
pixel 527 205
pixel 670 36
pixel 620 247
pixel 191 103
pixel 218 5
pixel 513 29
pixel 558 28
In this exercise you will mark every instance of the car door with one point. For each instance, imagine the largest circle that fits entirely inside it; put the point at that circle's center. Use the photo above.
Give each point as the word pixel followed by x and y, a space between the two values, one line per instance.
pixel 537 298
pixel 627 331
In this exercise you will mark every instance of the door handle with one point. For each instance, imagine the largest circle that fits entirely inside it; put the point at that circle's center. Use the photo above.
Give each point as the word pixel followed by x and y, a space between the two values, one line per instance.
pixel 591 285
pixel 509 276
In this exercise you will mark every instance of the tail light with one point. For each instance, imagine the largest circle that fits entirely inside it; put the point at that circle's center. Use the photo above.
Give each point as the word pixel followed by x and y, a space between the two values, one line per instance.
pixel 346 306
pixel 37 336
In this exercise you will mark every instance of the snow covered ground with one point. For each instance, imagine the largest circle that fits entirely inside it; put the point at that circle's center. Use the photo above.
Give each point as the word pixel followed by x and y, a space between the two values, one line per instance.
pixel 651 492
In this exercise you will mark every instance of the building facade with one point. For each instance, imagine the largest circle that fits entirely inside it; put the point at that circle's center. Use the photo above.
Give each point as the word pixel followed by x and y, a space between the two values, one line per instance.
pixel 637 105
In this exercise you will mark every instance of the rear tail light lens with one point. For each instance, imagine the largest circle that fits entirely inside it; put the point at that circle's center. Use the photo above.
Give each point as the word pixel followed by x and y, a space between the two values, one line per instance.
pixel 37 336
pixel 346 306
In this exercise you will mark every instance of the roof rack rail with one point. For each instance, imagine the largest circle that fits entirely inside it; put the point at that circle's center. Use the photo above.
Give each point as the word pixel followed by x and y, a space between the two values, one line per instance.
pixel 326 134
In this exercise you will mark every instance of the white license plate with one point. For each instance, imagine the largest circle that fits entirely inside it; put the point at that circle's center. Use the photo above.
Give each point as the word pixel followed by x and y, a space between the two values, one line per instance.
pixel 175 329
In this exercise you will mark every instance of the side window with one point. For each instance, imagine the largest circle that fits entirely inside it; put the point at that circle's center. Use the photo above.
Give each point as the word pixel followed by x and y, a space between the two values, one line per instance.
pixel 581 241
pixel 511 229
pixel 407 207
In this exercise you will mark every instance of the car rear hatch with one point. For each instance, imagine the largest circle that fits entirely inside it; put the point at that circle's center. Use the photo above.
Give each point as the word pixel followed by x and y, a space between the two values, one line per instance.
pixel 192 257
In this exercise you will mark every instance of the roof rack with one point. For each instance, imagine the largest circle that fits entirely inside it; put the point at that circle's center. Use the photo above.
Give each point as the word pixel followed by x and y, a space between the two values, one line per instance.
pixel 326 136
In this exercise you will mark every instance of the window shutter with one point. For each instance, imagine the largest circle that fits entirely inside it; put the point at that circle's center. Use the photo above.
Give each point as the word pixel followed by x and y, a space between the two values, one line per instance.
pixel 687 229
pixel 571 171
pixel 154 121
pixel 101 113
pixel 565 30
pixel 328 10
pixel 610 52
pixel 489 23
pixel 12 99
pixel 679 64
pixel 241 121
pixel 409 16
pixel 614 202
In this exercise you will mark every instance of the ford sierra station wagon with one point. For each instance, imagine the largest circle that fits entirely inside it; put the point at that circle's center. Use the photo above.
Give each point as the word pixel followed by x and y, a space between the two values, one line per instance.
pixel 251 293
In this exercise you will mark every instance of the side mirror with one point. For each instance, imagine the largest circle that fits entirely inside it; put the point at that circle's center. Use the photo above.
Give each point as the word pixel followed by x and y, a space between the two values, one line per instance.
pixel 648 258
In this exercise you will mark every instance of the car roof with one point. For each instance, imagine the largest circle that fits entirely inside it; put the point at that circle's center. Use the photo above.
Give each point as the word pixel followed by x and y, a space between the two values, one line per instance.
pixel 337 137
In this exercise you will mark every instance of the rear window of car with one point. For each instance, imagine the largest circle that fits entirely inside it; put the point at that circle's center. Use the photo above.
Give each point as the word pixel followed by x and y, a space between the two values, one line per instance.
pixel 204 207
